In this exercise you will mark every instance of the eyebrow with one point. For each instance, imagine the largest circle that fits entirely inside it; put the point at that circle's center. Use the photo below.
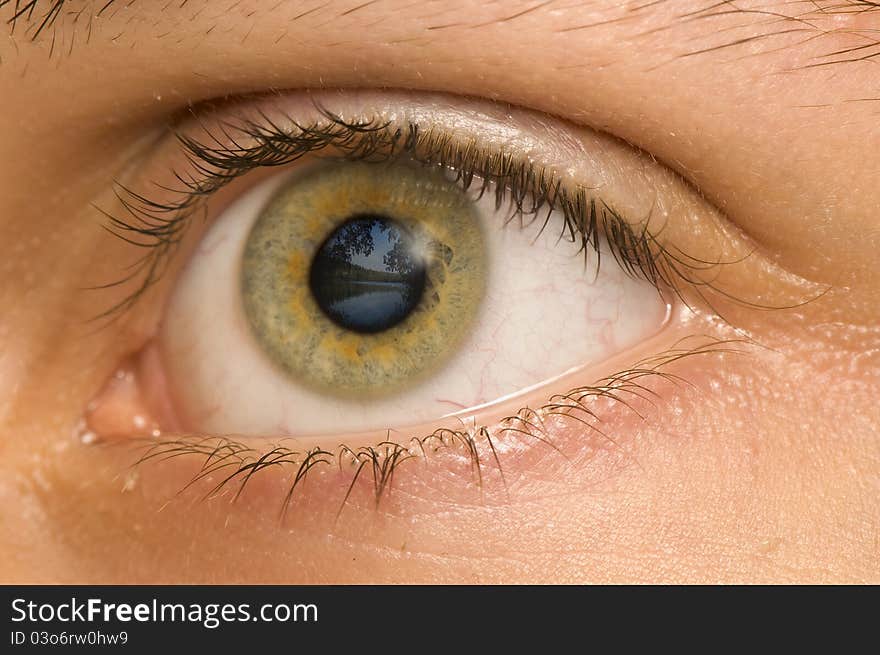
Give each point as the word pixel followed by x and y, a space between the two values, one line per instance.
pixel 41 16
pixel 25 11
pixel 778 23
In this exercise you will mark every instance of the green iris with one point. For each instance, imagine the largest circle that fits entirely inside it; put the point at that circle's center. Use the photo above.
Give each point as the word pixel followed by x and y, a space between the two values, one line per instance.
pixel 362 279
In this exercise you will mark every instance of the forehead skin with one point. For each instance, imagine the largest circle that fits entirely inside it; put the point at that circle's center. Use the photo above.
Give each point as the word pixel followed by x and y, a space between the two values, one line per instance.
pixel 768 108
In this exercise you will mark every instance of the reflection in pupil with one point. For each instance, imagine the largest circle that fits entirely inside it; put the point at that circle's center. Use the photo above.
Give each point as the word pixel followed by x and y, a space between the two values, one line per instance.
pixel 368 275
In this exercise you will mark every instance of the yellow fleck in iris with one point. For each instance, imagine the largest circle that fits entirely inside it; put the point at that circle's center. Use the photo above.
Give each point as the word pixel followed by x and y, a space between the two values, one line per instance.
pixel 396 203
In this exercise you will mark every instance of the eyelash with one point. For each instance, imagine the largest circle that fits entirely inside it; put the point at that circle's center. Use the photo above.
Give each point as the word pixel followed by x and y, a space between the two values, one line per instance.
pixel 528 189
pixel 382 460
pixel 159 226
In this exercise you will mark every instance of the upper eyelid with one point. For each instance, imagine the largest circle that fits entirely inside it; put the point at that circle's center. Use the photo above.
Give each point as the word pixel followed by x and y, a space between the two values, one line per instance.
pixel 237 144
pixel 220 144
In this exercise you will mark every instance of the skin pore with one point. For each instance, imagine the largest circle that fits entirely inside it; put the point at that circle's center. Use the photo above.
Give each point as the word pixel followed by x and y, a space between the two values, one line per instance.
pixel 763 467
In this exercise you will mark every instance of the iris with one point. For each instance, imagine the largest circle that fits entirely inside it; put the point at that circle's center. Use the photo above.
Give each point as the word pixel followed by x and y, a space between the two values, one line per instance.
pixel 361 279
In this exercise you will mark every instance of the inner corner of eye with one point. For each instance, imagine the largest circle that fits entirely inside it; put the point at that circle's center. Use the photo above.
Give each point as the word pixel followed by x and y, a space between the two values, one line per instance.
pixel 353 296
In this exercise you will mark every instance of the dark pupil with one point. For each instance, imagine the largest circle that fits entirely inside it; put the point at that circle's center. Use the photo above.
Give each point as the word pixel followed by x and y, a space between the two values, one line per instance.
pixel 367 276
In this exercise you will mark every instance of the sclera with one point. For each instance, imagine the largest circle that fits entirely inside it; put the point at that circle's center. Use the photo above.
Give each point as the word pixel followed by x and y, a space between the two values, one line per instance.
pixel 545 313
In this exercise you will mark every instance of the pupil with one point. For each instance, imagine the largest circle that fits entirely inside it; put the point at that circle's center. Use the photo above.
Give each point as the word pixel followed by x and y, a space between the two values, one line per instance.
pixel 368 275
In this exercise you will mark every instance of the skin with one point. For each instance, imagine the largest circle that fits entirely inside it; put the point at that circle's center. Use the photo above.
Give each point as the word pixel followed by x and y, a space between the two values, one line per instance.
pixel 765 468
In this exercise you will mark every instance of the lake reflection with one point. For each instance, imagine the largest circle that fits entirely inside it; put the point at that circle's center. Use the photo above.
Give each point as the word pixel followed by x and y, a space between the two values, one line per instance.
pixel 366 306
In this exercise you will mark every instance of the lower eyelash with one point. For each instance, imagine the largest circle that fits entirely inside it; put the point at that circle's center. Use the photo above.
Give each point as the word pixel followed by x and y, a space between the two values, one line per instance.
pixel 237 463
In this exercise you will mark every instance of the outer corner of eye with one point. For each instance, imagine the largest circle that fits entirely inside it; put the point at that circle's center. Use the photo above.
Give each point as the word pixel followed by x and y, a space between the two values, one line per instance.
pixel 347 296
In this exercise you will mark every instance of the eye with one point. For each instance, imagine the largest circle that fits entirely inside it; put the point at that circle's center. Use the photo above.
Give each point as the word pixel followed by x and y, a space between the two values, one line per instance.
pixel 353 296
pixel 409 259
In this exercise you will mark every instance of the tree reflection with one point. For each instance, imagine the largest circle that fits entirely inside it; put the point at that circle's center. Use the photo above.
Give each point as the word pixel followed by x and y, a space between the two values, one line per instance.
pixel 400 258
pixel 353 238
pixel 364 235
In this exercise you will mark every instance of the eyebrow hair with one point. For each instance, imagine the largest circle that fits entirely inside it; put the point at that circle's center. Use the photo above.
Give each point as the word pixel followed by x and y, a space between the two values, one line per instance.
pixel 41 16
pixel 779 24
pixel 25 10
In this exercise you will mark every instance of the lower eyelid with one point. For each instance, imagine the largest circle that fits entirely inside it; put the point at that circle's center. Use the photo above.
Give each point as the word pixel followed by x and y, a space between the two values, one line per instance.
pixel 591 431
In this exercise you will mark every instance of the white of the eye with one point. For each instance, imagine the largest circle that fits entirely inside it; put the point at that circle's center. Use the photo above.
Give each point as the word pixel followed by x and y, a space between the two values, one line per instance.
pixel 544 314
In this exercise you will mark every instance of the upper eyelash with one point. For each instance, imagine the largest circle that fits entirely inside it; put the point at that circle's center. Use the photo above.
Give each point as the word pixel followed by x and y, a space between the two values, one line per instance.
pixel 159 226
